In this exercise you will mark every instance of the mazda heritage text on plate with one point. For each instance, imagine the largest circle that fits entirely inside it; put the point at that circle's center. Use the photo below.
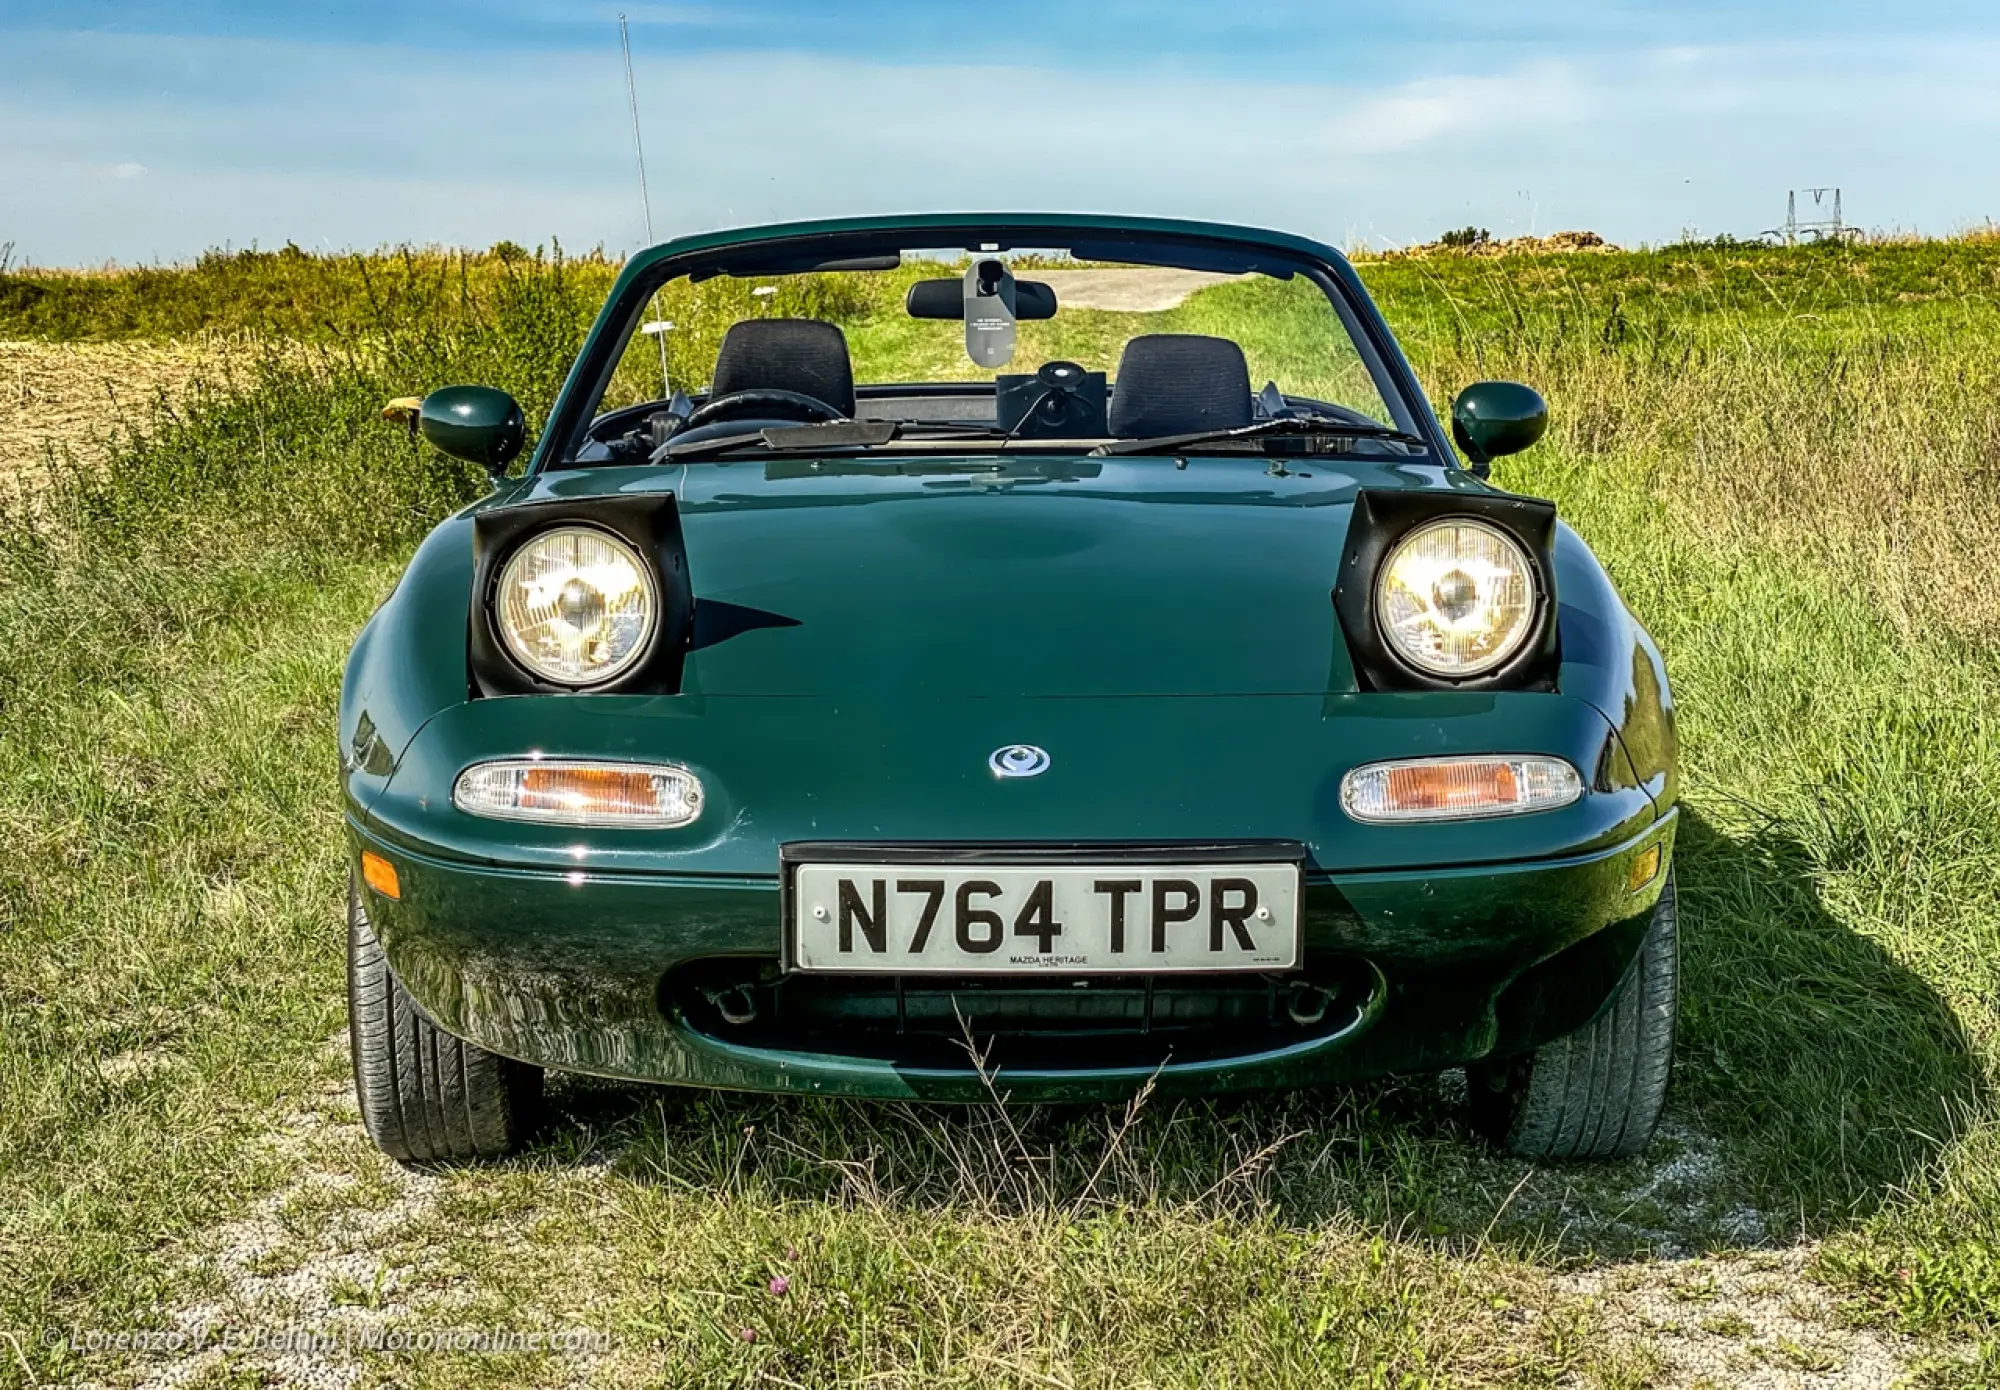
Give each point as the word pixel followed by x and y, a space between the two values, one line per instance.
pixel 958 657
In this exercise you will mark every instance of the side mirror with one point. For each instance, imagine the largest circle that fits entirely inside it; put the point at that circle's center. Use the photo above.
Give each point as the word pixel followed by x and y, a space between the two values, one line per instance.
pixel 1492 418
pixel 474 423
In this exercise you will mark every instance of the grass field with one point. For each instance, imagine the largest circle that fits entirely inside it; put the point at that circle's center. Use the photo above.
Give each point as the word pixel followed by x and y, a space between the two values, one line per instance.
pixel 1790 462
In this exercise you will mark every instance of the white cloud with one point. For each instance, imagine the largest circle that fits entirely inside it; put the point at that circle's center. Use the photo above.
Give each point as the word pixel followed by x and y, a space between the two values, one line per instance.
pixel 128 170
pixel 1417 113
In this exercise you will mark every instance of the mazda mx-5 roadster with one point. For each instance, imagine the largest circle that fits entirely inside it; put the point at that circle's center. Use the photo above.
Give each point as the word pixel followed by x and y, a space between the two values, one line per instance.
pixel 1038 657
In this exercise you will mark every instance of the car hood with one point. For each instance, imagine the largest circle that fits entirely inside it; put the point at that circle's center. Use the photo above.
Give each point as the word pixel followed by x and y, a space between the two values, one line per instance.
pixel 1021 577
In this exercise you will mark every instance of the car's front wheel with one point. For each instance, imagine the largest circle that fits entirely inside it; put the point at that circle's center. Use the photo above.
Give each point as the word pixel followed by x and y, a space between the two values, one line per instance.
pixel 425 1095
pixel 1596 1093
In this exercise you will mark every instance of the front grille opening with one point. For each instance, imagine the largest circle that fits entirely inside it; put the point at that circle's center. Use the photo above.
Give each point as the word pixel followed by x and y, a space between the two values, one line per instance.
pixel 1037 1021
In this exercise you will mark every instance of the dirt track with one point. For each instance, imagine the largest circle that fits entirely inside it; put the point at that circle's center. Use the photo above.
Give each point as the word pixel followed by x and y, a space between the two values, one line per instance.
pixel 348 1221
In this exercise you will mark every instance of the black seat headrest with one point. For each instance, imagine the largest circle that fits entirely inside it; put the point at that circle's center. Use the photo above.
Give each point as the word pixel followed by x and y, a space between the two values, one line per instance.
pixel 1179 383
pixel 804 355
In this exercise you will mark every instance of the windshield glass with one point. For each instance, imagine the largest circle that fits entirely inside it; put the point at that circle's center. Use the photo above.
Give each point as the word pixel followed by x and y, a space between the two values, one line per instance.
pixel 1021 350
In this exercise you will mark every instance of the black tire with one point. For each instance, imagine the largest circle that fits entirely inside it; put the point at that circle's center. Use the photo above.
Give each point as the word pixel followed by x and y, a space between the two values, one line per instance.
pixel 425 1095
pixel 1596 1093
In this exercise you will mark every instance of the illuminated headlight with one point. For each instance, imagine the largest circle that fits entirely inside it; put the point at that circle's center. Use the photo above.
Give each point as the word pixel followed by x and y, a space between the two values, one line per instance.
pixel 576 606
pixel 567 792
pixel 1418 789
pixel 1455 598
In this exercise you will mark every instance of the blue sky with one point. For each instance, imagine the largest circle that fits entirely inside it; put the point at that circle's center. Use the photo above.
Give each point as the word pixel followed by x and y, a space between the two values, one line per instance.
pixel 149 129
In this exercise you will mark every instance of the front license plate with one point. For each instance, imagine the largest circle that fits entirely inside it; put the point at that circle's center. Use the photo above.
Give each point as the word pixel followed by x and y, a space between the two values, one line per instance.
pixel 1075 918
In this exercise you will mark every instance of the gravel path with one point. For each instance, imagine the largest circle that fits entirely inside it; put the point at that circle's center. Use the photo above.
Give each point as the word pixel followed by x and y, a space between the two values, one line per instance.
pixel 1140 290
pixel 1749 1320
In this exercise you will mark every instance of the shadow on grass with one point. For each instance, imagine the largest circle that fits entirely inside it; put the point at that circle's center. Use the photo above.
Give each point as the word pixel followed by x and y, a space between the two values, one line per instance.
pixel 1830 1072
pixel 1815 1075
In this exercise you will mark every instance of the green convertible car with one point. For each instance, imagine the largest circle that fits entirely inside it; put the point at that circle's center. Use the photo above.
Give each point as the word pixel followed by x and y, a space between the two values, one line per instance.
pixel 950 657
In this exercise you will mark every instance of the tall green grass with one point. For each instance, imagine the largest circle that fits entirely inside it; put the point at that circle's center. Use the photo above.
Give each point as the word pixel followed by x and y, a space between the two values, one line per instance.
pixel 1801 498
pixel 287 292
pixel 1791 465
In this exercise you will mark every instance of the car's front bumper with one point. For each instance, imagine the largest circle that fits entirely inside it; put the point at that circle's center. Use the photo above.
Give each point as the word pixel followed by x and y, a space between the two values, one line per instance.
pixel 572 969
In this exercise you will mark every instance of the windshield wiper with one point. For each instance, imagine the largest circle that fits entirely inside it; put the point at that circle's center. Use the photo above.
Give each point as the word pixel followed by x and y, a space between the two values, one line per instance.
pixel 805 439
pixel 1331 426
pixel 868 434
pixel 835 434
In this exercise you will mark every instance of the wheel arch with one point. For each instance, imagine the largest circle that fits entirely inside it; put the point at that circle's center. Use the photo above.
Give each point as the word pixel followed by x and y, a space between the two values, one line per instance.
pixel 408 663
pixel 1611 661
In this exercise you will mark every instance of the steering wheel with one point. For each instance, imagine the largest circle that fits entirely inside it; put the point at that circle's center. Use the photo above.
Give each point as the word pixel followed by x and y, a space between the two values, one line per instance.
pixel 763 402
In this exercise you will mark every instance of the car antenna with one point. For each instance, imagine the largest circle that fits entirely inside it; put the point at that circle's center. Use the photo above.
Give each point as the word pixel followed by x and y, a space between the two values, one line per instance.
pixel 658 328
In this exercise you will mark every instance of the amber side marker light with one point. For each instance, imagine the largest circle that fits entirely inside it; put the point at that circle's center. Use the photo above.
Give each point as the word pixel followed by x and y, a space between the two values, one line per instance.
pixel 379 874
pixel 1434 789
pixel 1645 869
pixel 573 792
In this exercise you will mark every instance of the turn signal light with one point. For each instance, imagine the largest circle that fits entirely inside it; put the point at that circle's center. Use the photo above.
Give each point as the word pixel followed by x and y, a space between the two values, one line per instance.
pixel 379 874
pixel 1645 868
pixel 1433 789
pixel 568 792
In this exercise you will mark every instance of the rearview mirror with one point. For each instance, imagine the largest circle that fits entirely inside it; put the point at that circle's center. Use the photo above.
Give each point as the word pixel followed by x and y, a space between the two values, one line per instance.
pixel 945 299
pixel 1493 418
pixel 476 423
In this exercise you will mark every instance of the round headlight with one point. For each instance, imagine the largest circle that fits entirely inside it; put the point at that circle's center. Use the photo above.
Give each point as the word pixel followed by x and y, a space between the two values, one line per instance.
pixel 1456 598
pixel 576 605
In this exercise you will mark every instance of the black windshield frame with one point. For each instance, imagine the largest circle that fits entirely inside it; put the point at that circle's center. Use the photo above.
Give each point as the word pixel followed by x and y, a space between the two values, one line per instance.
pixel 570 423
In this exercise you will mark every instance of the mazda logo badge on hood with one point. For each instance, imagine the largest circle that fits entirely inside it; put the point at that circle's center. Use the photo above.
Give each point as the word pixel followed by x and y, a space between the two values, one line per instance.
pixel 1018 760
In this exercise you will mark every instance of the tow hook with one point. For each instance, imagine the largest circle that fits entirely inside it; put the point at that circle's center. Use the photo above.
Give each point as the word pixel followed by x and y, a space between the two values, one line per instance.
pixel 735 1003
pixel 1307 1004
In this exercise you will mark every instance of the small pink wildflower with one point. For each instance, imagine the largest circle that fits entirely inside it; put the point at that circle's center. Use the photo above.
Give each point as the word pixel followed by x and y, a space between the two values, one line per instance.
pixel 749 1334
pixel 780 1286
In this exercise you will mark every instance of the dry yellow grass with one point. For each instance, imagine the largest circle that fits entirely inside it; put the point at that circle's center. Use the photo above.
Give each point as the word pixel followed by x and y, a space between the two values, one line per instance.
pixel 71 395
pixel 1554 244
